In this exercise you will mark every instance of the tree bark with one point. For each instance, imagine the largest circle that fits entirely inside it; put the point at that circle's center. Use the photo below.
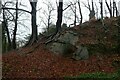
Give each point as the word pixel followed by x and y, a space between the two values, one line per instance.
pixel 34 35
pixel 92 11
pixel 109 8
pixel 75 16
pixel 59 16
pixel 15 29
pixel 80 13
pixel 5 25
pixel 113 8
pixel 101 7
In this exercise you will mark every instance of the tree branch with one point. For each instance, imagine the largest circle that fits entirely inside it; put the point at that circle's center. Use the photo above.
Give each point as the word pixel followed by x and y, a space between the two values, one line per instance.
pixel 68 6
pixel 16 9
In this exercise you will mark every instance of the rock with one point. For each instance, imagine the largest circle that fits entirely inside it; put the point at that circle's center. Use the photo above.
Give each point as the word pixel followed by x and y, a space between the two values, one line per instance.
pixel 64 44
pixel 64 49
pixel 81 53
pixel 69 37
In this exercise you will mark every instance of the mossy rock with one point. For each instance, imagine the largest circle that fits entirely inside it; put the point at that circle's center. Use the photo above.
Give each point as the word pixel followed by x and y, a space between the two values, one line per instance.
pixel 64 49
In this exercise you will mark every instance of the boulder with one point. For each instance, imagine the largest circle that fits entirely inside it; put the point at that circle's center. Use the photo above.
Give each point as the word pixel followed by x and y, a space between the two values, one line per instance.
pixel 64 49
pixel 81 53
pixel 69 37
pixel 64 44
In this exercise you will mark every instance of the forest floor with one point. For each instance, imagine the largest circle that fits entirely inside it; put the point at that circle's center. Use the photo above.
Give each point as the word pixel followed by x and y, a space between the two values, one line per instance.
pixel 42 63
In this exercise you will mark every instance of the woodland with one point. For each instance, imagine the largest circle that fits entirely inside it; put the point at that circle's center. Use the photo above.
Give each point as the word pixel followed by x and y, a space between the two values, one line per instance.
pixel 83 49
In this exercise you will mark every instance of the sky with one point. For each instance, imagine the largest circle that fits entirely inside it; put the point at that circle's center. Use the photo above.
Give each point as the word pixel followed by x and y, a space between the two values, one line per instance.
pixel 25 29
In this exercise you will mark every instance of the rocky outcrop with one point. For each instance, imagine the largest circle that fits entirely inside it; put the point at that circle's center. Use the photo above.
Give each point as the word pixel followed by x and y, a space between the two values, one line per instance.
pixel 81 53
pixel 67 45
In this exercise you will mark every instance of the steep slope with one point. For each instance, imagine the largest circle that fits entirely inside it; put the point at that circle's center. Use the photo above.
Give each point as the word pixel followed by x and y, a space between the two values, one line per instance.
pixel 38 62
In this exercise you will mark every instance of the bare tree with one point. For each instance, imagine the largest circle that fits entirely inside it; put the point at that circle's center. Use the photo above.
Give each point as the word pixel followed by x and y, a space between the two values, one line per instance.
pixel 34 35
pixel 5 28
pixel 48 14
pixel 80 12
pixel 115 10
pixel 109 7
pixel 101 7
pixel 92 11
pixel 74 10
pixel 11 15
pixel 15 28
pixel 59 16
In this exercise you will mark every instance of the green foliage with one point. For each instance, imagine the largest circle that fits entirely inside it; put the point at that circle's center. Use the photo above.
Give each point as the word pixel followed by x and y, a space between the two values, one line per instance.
pixel 4 43
pixel 52 29
pixel 64 25
pixel 96 76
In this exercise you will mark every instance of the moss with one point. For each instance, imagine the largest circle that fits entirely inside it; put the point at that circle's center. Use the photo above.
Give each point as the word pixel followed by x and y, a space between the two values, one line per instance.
pixel 96 76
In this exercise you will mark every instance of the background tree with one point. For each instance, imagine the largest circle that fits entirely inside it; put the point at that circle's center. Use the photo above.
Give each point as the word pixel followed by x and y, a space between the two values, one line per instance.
pixel 115 10
pixel 10 16
pixel 109 7
pixel 92 11
pixel 15 28
pixel 48 14
pixel 101 7
pixel 5 30
pixel 80 12
pixel 74 10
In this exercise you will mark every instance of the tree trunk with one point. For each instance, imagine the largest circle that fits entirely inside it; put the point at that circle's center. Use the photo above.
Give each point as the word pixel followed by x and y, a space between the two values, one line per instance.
pixel 101 7
pixel 15 29
pixel 116 9
pixel 75 16
pixel 80 13
pixel 92 12
pixel 34 35
pixel 109 8
pixel 113 8
pixel 48 25
pixel 59 16
pixel 5 25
